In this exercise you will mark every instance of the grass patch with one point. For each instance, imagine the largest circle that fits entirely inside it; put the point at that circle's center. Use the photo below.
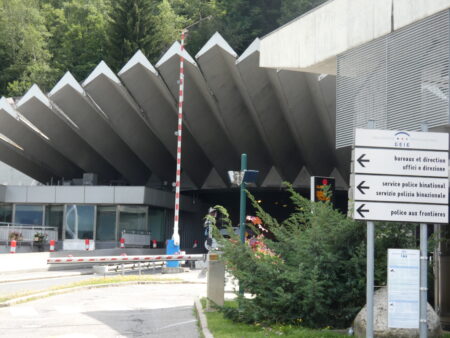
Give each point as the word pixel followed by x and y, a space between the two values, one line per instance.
pixel 88 282
pixel 221 327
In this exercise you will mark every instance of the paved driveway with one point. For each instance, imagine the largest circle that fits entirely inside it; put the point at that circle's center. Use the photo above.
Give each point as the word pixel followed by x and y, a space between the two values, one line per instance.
pixel 153 310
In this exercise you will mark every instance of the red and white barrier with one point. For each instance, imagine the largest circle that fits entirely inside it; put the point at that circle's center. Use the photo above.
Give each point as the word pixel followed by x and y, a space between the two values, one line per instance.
pixel 120 259
pixel 86 244
pixel 52 245
pixel 155 244
pixel 122 243
pixel 13 247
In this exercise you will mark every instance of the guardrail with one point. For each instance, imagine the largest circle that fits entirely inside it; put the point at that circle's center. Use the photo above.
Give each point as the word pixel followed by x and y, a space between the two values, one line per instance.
pixel 26 233
pixel 125 259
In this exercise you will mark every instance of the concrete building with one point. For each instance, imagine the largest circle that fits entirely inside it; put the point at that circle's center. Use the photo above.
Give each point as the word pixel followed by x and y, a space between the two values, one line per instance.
pixel 104 149
pixel 390 59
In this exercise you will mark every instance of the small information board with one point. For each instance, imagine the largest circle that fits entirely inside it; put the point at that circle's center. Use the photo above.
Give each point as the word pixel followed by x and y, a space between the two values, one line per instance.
pixel 403 288
pixel 400 176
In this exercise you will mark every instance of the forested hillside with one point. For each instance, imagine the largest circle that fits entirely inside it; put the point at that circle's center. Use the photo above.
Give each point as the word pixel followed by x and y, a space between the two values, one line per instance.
pixel 41 39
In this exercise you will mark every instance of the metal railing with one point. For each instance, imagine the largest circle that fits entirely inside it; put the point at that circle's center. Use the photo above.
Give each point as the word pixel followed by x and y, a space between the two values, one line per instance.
pixel 125 259
pixel 136 238
pixel 26 233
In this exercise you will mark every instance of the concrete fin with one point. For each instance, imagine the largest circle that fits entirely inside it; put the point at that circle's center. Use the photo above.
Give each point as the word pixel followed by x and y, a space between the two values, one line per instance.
pixel 303 179
pixel 254 47
pixel 214 181
pixel 216 40
pixel 186 182
pixel 273 179
pixel 138 58
pixel 102 68
pixel 4 104
pixel 175 50
pixel 339 180
pixel 67 79
pixel 36 92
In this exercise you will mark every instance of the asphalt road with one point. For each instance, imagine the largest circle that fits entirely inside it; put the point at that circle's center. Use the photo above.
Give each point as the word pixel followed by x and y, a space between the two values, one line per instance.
pixel 7 288
pixel 153 310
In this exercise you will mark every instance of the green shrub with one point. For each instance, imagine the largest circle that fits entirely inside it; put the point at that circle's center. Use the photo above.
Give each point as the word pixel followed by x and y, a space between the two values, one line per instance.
pixel 312 269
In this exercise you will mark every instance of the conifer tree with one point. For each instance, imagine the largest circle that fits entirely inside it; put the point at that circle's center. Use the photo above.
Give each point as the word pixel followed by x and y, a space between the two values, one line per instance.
pixel 132 26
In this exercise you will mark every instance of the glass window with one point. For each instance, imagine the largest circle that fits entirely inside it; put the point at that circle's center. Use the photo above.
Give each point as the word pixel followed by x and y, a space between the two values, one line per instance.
pixel 132 218
pixel 29 214
pixel 156 224
pixel 80 221
pixel 106 223
pixel 6 213
pixel 54 215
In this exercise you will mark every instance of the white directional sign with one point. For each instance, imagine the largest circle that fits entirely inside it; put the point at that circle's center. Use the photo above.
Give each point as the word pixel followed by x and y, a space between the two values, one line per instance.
pixel 401 212
pixel 401 139
pixel 401 162
pixel 400 176
pixel 400 189
pixel 403 288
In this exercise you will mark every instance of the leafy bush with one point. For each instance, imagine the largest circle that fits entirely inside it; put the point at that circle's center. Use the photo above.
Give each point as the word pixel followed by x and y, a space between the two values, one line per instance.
pixel 310 269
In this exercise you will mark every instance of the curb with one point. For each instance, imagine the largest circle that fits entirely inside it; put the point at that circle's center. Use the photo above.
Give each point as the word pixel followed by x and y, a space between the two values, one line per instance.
pixel 49 293
pixel 203 320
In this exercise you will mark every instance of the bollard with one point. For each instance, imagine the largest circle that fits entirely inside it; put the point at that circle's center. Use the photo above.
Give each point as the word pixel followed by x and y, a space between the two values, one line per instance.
pixel 215 289
pixel 155 244
pixel 52 245
pixel 122 243
pixel 13 247
pixel 86 244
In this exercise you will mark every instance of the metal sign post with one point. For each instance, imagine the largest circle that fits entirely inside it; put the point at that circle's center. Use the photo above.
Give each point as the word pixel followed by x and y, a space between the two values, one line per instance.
pixel 400 176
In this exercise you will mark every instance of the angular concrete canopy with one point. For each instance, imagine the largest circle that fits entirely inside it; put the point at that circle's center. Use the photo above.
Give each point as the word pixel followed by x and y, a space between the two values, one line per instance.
pixel 17 159
pixel 303 120
pixel 274 128
pixel 33 144
pixel 217 61
pixel 97 131
pixel 127 119
pixel 201 113
pixel 38 109
pixel 312 41
pixel 160 109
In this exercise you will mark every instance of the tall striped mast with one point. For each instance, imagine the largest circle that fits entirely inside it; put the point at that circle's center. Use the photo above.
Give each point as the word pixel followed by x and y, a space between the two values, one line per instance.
pixel 176 232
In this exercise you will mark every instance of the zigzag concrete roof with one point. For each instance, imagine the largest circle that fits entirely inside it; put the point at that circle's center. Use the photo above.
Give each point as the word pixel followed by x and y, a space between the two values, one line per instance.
pixel 122 126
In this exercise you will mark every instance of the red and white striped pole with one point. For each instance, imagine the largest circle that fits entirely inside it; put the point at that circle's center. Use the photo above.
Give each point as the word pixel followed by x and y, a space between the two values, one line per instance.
pixel 52 245
pixel 13 247
pixel 176 234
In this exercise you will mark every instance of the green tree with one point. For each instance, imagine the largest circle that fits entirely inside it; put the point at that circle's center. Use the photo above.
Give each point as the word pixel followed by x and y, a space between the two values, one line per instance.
pixel 132 25
pixel 78 31
pixel 309 269
pixel 24 56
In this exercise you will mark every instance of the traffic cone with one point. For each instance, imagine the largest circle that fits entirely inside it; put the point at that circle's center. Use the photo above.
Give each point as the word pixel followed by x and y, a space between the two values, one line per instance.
pixel 155 244
pixel 86 244
pixel 52 245
pixel 122 243
pixel 13 247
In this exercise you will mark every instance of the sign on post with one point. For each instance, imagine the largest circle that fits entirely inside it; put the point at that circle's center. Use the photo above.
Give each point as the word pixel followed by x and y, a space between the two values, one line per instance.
pixel 403 288
pixel 400 176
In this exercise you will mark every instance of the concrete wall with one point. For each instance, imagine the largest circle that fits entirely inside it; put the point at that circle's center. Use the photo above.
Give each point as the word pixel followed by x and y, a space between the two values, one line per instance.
pixel 94 195
pixel 311 42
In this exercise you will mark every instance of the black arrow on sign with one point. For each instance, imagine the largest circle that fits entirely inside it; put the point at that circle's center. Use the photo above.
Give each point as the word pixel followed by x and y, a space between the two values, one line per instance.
pixel 361 187
pixel 361 160
pixel 360 210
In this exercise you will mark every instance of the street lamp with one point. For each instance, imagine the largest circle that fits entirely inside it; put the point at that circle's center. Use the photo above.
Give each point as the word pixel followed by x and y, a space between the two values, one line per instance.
pixel 242 178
